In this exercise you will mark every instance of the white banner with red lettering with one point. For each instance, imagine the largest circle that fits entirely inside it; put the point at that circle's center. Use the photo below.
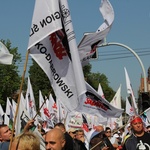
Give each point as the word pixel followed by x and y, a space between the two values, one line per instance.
pixel 93 103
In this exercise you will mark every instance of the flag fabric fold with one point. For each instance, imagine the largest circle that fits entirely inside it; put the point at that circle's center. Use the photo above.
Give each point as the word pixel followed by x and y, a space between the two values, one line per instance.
pixel 5 57
pixel 93 103
pixel 90 41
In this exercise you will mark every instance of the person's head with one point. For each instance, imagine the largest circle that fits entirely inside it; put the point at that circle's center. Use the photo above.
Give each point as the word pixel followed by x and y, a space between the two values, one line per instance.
pixel 148 129
pixel 60 126
pixel 54 139
pixel 5 133
pixel 99 128
pixel 72 132
pixel 108 132
pixel 137 125
pixel 26 141
pixel 80 135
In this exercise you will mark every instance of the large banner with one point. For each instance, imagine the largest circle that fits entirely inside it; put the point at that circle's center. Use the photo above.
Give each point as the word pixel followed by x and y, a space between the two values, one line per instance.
pixel 93 103
pixel 49 47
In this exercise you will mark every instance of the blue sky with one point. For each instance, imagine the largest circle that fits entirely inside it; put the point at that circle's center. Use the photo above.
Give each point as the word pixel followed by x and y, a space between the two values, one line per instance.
pixel 131 27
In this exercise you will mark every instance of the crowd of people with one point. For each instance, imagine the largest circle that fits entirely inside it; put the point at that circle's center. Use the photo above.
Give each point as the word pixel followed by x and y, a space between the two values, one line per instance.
pixel 136 137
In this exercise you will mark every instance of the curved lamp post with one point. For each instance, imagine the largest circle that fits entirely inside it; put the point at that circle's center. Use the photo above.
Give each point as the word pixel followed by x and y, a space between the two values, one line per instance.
pixel 132 51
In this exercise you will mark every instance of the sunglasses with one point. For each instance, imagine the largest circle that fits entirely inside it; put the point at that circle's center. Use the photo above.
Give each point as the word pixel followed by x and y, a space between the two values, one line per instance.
pixel 108 131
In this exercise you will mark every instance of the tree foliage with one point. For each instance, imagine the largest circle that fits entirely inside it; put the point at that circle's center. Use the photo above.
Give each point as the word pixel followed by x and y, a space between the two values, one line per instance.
pixel 95 78
pixel 9 75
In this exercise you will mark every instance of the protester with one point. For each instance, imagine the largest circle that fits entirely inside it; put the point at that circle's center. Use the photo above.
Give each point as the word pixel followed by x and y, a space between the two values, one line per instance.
pixel 55 139
pixel 5 135
pixel 139 140
pixel 99 141
pixel 79 141
pixel 112 138
pixel 148 129
pixel 72 132
pixel 69 140
pixel 26 141
pixel 99 128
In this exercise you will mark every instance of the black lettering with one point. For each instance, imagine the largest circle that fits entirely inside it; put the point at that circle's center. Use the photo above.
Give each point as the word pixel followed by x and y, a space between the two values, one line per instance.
pixel 68 92
pixel 48 57
pixel 60 82
pixel 56 76
pixel 38 45
pixel 43 23
pixel 48 19
pixel 57 15
pixel 43 50
pixel 64 88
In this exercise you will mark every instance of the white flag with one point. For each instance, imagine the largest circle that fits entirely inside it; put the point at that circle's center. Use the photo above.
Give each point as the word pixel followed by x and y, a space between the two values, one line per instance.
pixel 5 57
pixel 116 102
pixel 129 108
pixel 87 46
pixel 93 103
pixel 51 53
pixel 45 114
pixel 100 91
pixel 77 68
pixel 1 110
pixel 22 116
pixel 6 119
pixel 130 92
pixel 30 101
pixel 52 105
pixel 1 114
pixel 46 20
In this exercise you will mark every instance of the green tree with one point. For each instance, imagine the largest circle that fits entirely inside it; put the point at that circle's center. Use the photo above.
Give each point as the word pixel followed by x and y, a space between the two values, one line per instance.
pixel 95 78
pixel 9 75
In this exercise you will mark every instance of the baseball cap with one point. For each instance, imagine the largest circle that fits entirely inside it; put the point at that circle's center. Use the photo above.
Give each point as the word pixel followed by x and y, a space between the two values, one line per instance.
pixel 71 130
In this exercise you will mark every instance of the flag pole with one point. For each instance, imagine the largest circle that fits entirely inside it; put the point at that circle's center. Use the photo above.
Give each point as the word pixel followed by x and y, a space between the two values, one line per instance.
pixel 39 109
pixel 18 101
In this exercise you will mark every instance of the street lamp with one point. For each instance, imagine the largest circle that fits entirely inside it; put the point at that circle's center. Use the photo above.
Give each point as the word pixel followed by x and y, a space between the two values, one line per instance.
pixel 135 54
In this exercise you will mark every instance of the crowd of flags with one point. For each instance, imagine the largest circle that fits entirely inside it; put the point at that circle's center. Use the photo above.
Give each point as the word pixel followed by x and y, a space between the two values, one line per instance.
pixel 52 45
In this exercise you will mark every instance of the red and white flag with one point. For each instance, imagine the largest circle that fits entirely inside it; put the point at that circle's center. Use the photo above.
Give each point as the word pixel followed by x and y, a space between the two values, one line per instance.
pixel 30 101
pixel 129 108
pixel 93 103
pixel 45 114
pixel 49 48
